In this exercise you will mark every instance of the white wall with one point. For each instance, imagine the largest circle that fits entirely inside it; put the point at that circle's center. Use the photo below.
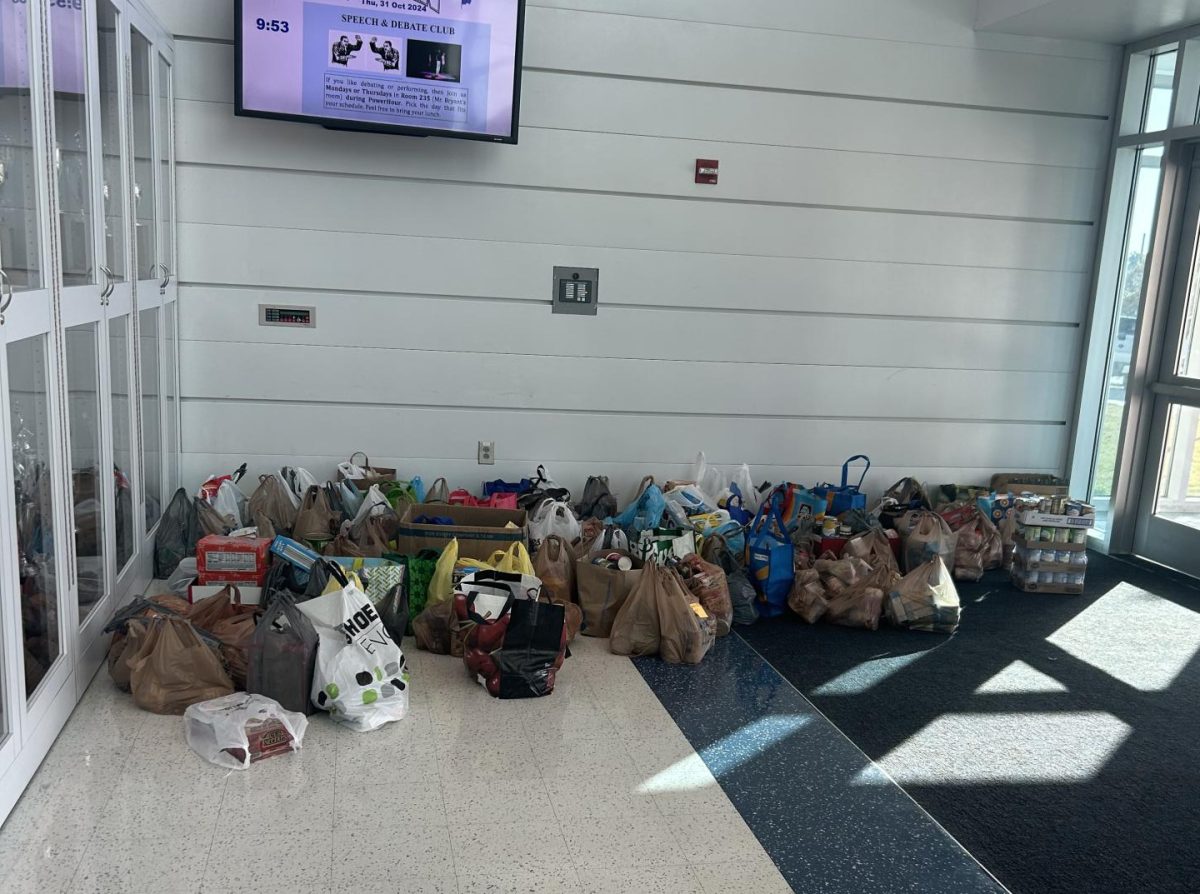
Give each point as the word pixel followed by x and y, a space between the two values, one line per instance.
pixel 896 261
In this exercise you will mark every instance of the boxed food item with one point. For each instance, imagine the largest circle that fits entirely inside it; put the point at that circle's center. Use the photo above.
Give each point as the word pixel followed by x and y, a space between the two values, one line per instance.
pixel 228 560
pixel 479 531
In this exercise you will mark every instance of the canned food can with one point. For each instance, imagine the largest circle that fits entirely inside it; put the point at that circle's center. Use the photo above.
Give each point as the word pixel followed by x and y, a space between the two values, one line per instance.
pixel 1062 535
pixel 1034 555
pixel 1047 535
pixel 1046 577
pixel 1062 578
pixel 624 564
pixel 1079 535
pixel 1080 559
pixel 1032 533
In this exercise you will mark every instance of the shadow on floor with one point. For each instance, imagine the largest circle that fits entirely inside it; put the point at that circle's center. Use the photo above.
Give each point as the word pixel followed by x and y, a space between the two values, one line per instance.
pixel 1056 737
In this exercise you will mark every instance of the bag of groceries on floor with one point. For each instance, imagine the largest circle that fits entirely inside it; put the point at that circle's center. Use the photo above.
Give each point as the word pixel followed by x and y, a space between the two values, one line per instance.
pixel 807 598
pixel 861 605
pixel 979 547
pixel 707 582
pixel 635 630
pixel 175 668
pixel 283 656
pixel 874 547
pixel 598 501
pixel 361 677
pixel 925 534
pixel 685 629
pixel 551 519
pixel 178 533
pixel 554 566
pixel 926 599
pixel 240 729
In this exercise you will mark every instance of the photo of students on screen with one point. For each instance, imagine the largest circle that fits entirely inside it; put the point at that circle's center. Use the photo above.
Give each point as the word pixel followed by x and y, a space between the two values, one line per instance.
pixel 388 55
pixel 434 61
pixel 343 50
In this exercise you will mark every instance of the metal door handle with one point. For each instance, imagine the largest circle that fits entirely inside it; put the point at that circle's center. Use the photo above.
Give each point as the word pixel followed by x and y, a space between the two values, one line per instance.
pixel 162 286
pixel 6 294
pixel 109 285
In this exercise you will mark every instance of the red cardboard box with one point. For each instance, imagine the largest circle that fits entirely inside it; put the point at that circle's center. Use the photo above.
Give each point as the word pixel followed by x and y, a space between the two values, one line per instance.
pixel 227 560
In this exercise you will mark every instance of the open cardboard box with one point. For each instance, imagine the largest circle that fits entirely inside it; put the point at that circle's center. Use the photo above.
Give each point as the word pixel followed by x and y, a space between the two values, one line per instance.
pixel 479 531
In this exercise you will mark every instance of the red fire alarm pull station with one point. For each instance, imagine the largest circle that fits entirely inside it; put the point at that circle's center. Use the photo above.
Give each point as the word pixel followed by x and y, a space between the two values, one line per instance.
pixel 707 170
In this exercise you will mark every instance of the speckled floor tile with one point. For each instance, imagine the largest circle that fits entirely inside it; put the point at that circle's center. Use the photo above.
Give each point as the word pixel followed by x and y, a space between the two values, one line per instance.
pixel 511 843
pixel 637 879
pixel 294 790
pixel 760 876
pixel 628 840
pixel 380 855
pixel 131 862
pixel 269 862
pixel 519 879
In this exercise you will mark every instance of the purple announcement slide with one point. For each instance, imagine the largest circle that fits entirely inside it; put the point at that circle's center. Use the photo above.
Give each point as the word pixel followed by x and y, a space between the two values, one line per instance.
pixel 431 64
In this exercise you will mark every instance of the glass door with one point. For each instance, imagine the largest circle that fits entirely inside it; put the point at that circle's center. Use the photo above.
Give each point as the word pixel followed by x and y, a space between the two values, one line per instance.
pixel 34 592
pixel 78 174
pixel 169 287
pixel 115 135
pixel 1168 523
pixel 148 280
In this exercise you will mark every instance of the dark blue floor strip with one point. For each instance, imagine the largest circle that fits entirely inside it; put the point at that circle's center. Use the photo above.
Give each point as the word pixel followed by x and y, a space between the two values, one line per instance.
pixel 830 820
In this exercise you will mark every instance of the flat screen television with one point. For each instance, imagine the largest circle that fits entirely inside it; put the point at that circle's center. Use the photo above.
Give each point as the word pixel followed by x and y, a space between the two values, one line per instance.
pixel 444 68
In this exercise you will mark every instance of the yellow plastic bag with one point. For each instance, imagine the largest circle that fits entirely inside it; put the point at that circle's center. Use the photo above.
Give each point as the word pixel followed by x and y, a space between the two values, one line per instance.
pixel 514 560
pixel 441 585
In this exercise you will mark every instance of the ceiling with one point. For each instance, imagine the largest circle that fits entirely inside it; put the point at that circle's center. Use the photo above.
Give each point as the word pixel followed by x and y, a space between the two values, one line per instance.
pixel 1102 21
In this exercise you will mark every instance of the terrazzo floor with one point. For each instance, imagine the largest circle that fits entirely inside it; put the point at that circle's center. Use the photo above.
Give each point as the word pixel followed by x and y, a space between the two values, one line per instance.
pixel 594 789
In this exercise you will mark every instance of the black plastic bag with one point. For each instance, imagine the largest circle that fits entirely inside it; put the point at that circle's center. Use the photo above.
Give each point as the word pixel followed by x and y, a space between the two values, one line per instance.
pixel 283 655
pixel 177 535
pixel 542 489
pixel 741 591
pixel 533 649
pixel 598 501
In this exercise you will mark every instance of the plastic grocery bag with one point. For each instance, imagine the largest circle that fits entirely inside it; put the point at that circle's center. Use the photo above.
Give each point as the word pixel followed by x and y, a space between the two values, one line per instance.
pixel 177 534
pixel 361 677
pixel 861 605
pixel 175 668
pixel 181 578
pixel 685 627
pixel 979 547
pixel 691 499
pixel 283 656
pixel 273 499
pixel 874 547
pixel 552 519
pixel 925 535
pixel 514 560
pixel 611 539
pixel 644 513
pixel 807 598
pixel 230 504
pixel 236 730
pixel 707 582
pixel 926 599
pixel 554 566
pixel 635 630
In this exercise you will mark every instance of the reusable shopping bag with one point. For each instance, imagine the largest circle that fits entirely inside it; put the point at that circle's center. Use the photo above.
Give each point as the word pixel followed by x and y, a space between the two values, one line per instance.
pixel 534 648
pixel 598 500
pixel 363 475
pixel 665 543
pixel 274 500
pixel 926 599
pixel 707 582
pixel 316 520
pixel 925 534
pixel 283 656
pixel 175 668
pixel 690 499
pixel 792 502
pixel 602 593
pixel 846 496
pixel 636 630
pixel 178 533
pixel 685 627
pixel 769 559
pixel 361 677
pixel 552 519
pixel 235 730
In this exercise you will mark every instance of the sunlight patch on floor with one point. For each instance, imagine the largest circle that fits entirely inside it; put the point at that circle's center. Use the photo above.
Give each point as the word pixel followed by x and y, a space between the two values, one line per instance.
pixel 1019 748
pixel 1141 639
pixel 701 769
pixel 1020 678
pixel 863 677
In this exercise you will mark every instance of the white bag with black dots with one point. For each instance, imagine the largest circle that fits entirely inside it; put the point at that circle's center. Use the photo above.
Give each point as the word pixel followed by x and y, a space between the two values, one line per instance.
pixel 361 677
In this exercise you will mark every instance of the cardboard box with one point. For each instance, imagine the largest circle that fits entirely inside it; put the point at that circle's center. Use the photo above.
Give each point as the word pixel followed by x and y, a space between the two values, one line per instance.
pixel 232 559
pixel 479 531
pixel 1047 545
pixel 1060 589
pixel 251 595
pixel 1046 520
pixel 1025 483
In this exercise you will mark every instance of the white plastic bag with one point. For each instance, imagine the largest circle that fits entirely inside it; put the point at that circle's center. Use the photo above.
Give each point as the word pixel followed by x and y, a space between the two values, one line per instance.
pixel 691 499
pixel 745 482
pixel 220 729
pixel 230 504
pixel 287 488
pixel 179 582
pixel 300 480
pixel 351 471
pixel 552 518
pixel 611 539
pixel 711 480
pixel 373 503
pixel 361 677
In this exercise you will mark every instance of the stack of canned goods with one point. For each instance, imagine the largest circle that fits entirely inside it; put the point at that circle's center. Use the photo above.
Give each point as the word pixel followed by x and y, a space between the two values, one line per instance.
pixel 1047 534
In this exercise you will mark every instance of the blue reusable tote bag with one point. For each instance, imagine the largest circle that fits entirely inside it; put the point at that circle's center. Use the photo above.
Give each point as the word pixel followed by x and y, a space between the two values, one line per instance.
pixel 770 559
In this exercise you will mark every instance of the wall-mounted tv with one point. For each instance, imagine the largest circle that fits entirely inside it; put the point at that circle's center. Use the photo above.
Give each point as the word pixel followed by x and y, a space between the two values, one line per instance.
pixel 445 68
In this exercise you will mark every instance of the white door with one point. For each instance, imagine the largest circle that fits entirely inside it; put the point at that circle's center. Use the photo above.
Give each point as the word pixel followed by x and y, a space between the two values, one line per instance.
pixel 35 607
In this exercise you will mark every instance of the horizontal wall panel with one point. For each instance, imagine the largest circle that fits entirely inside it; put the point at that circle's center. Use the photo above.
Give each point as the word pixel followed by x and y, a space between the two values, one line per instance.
pixel 572 40
pixel 234 427
pixel 623 477
pixel 305 259
pixel 711 117
pixel 387 376
pixel 365 204
pixel 208 133
pixel 950 22
pixel 214 316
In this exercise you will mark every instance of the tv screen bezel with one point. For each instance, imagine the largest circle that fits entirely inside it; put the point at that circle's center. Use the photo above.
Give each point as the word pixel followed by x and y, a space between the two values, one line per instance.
pixel 241 111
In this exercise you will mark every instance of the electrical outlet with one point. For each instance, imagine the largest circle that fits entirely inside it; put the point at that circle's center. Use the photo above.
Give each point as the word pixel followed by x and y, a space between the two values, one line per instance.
pixel 487 453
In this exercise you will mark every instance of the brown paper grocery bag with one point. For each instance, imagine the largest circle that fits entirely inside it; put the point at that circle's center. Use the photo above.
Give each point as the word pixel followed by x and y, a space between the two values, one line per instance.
pixel 601 592
pixel 685 628
pixel 635 630
pixel 175 668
